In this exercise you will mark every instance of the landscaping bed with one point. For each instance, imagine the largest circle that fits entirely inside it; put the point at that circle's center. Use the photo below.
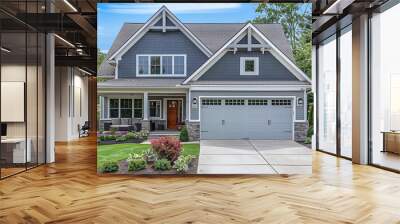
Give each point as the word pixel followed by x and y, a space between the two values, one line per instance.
pixel 165 155
pixel 121 137
pixel 123 169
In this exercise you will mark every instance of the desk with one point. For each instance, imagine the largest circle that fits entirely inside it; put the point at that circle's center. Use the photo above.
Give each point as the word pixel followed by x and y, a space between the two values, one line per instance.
pixel 13 150
pixel 391 141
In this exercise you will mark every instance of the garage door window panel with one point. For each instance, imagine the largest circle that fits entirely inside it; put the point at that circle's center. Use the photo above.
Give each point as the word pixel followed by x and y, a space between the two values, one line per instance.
pixel 235 102
pixel 281 102
pixel 257 102
pixel 211 102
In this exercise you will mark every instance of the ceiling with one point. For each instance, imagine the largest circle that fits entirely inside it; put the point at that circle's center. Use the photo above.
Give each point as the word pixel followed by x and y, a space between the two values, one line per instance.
pixel 73 21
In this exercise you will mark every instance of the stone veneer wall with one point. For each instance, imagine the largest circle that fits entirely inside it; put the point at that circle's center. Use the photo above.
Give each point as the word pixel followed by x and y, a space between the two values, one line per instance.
pixel 145 125
pixel 193 130
pixel 300 131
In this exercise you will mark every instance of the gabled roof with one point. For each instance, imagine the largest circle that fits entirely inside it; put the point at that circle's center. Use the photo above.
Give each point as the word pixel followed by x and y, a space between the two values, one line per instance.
pixel 275 51
pixel 162 14
pixel 213 35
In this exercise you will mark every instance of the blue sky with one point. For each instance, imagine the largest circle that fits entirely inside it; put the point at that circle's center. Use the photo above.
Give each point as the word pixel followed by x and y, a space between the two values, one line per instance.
pixel 111 16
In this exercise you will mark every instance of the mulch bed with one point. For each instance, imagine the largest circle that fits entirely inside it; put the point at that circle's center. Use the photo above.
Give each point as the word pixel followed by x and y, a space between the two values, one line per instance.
pixel 113 142
pixel 123 169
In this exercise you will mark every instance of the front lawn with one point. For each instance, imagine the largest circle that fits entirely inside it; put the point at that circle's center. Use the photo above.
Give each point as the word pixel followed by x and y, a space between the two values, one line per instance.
pixel 119 152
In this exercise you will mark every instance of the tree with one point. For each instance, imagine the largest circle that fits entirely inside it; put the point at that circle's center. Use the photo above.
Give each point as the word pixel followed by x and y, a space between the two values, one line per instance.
pixel 295 19
pixel 100 58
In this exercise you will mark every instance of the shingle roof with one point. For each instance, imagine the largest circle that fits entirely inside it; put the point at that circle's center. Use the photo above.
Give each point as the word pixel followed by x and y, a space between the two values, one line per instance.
pixel 144 82
pixel 213 35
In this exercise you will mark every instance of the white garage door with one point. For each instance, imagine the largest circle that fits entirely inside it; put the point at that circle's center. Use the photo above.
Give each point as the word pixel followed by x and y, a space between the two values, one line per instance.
pixel 237 118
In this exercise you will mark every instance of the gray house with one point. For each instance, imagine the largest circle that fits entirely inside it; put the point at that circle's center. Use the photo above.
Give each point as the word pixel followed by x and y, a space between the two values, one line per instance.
pixel 223 81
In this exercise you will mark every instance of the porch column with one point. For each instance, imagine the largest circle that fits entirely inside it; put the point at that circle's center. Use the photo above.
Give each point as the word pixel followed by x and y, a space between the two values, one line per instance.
pixel 145 106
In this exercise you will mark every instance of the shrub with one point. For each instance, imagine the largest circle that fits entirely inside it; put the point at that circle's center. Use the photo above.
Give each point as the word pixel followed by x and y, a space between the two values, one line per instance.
pixel 143 134
pixel 109 167
pixel 133 156
pixel 149 155
pixel 102 138
pixel 162 164
pixel 307 141
pixel 109 137
pixel 113 131
pixel 121 139
pixel 182 163
pixel 137 164
pixel 184 135
pixel 131 135
pixel 167 148
pixel 310 131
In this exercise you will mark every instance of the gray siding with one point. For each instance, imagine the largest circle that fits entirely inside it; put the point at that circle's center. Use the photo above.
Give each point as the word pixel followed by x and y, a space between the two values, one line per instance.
pixel 173 42
pixel 195 111
pixel 228 68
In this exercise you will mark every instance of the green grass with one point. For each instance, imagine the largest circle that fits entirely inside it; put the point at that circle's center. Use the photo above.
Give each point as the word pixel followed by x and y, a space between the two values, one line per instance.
pixel 119 152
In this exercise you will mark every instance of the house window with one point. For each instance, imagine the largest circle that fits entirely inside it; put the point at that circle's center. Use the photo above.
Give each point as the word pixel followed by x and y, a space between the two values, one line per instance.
pixel 155 108
pixel 126 108
pixel 114 108
pixel 138 108
pixel 179 65
pixel 161 65
pixel 155 65
pixel 249 66
pixel 143 65
pixel 167 65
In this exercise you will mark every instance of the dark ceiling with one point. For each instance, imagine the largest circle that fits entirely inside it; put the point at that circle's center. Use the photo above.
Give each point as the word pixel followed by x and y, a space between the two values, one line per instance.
pixel 74 22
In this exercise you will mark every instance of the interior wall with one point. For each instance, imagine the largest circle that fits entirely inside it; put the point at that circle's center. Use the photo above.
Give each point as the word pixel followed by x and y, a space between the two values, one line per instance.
pixel 71 102
pixel 15 73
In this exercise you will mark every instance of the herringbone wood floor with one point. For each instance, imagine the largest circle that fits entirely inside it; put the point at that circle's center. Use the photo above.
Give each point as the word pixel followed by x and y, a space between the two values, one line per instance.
pixel 70 191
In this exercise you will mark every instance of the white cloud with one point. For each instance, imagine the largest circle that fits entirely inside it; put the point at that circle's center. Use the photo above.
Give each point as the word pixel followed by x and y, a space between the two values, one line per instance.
pixel 174 7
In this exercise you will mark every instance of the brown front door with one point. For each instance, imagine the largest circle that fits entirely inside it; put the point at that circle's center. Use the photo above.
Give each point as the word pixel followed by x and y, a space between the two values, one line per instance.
pixel 172 113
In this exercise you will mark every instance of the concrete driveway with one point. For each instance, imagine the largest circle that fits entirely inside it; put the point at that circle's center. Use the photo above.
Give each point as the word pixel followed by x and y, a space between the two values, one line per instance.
pixel 254 157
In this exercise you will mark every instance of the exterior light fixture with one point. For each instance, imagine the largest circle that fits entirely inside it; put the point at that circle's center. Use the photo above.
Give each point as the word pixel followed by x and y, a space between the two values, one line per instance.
pixel 194 101
pixel 300 101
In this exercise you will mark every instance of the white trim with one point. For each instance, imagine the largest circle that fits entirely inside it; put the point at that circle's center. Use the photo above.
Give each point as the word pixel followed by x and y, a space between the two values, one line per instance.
pixel 165 108
pixel 161 64
pixel 249 87
pixel 274 51
pixel 155 118
pixel 246 97
pixel 243 65
pixel 153 19
pixel 305 106
pixel 283 58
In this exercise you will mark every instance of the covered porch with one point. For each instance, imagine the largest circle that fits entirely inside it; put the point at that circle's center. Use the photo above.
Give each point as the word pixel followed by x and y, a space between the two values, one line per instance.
pixel 153 111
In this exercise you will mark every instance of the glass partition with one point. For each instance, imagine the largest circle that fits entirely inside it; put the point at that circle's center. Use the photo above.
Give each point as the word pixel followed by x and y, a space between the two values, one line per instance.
pixel 327 95
pixel 346 92
pixel 385 89
pixel 22 101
